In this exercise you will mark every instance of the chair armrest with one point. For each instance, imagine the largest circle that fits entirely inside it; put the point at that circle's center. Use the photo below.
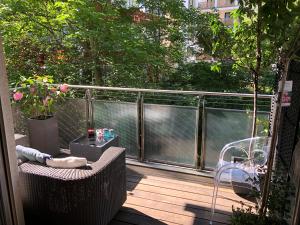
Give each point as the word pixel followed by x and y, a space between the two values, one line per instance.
pixel 38 169
pixel 226 149
pixel 109 155
pixel 241 145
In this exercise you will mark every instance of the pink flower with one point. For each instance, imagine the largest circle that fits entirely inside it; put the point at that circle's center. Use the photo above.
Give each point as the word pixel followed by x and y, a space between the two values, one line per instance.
pixel 64 88
pixel 18 96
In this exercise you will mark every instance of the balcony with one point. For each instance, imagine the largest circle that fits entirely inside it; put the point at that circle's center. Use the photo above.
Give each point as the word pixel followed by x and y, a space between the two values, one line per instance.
pixel 226 3
pixel 172 139
pixel 209 4
pixel 206 5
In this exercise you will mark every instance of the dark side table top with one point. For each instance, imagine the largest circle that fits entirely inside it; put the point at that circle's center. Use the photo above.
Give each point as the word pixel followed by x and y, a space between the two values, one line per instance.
pixel 91 149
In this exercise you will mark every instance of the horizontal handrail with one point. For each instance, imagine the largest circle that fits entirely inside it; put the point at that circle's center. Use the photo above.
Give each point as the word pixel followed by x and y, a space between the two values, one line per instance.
pixel 197 93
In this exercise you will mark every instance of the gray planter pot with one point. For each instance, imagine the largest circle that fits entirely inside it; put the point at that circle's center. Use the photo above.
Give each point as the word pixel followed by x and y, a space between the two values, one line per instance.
pixel 43 135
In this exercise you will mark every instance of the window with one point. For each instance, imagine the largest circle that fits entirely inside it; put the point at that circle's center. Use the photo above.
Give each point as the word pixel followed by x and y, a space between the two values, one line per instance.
pixel 227 16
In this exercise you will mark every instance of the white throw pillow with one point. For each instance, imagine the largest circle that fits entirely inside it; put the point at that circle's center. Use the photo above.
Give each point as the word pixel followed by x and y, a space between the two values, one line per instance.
pixel 68 162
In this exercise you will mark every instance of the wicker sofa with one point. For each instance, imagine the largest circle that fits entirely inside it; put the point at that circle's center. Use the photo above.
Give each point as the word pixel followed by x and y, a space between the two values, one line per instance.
pixel 85 196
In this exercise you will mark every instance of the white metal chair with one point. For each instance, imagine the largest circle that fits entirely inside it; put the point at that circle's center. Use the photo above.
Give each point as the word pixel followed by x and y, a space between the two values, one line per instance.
pixel 241 160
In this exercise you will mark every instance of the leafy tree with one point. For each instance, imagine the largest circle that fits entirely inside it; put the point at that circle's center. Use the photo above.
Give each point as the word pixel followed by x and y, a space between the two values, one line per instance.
pixel 245 44
pixel 283 21
pixel 92 41
pixel 35 37
pixel 211 34
pixel 104 43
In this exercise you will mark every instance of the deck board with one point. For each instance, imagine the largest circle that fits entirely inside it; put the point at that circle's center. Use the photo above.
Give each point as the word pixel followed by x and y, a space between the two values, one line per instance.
pixel 158 200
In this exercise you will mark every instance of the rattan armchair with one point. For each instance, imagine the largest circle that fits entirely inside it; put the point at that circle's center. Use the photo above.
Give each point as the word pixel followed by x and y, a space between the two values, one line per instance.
pixel 84 196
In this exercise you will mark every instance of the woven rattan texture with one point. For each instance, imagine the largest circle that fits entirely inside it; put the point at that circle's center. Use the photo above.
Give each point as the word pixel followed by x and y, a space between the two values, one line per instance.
pixel 74 196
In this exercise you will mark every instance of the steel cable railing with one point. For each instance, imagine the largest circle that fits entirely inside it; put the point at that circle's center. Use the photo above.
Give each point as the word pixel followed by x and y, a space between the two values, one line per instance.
pixel 183 128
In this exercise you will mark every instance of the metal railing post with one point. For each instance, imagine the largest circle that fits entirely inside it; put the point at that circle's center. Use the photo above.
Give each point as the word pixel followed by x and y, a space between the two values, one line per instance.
pixel 198 134
pixel 140 128
pixel 89 109
pixel 203 135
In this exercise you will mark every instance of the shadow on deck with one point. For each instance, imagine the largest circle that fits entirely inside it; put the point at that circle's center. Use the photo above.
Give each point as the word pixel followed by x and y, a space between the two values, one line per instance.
pixel 155 198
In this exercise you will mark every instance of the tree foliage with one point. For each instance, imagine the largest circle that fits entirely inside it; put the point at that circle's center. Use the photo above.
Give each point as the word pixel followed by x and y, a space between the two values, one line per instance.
pixel 84 41
pixel 106 43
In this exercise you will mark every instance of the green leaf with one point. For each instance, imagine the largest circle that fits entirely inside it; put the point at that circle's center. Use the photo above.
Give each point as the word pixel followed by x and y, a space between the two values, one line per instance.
pixel 216 67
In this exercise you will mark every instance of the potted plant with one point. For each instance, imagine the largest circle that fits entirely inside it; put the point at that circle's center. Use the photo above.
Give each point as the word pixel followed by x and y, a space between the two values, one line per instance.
pixel 279 204
pixel 36 97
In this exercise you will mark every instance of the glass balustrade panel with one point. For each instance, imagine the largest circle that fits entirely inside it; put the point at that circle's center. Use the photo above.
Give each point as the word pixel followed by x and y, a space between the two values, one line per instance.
pixel 123 118
pixel 224 126
pixel 170 134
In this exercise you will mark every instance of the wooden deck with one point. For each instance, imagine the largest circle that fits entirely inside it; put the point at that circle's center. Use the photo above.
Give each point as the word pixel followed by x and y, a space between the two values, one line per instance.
pixel 157 199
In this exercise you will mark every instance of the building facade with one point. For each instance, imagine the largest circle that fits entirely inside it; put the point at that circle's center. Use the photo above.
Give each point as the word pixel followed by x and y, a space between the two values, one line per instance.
pixel 224 7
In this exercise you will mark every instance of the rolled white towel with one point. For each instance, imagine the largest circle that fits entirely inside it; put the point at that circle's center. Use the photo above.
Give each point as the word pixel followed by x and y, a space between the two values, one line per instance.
pixel 68 162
